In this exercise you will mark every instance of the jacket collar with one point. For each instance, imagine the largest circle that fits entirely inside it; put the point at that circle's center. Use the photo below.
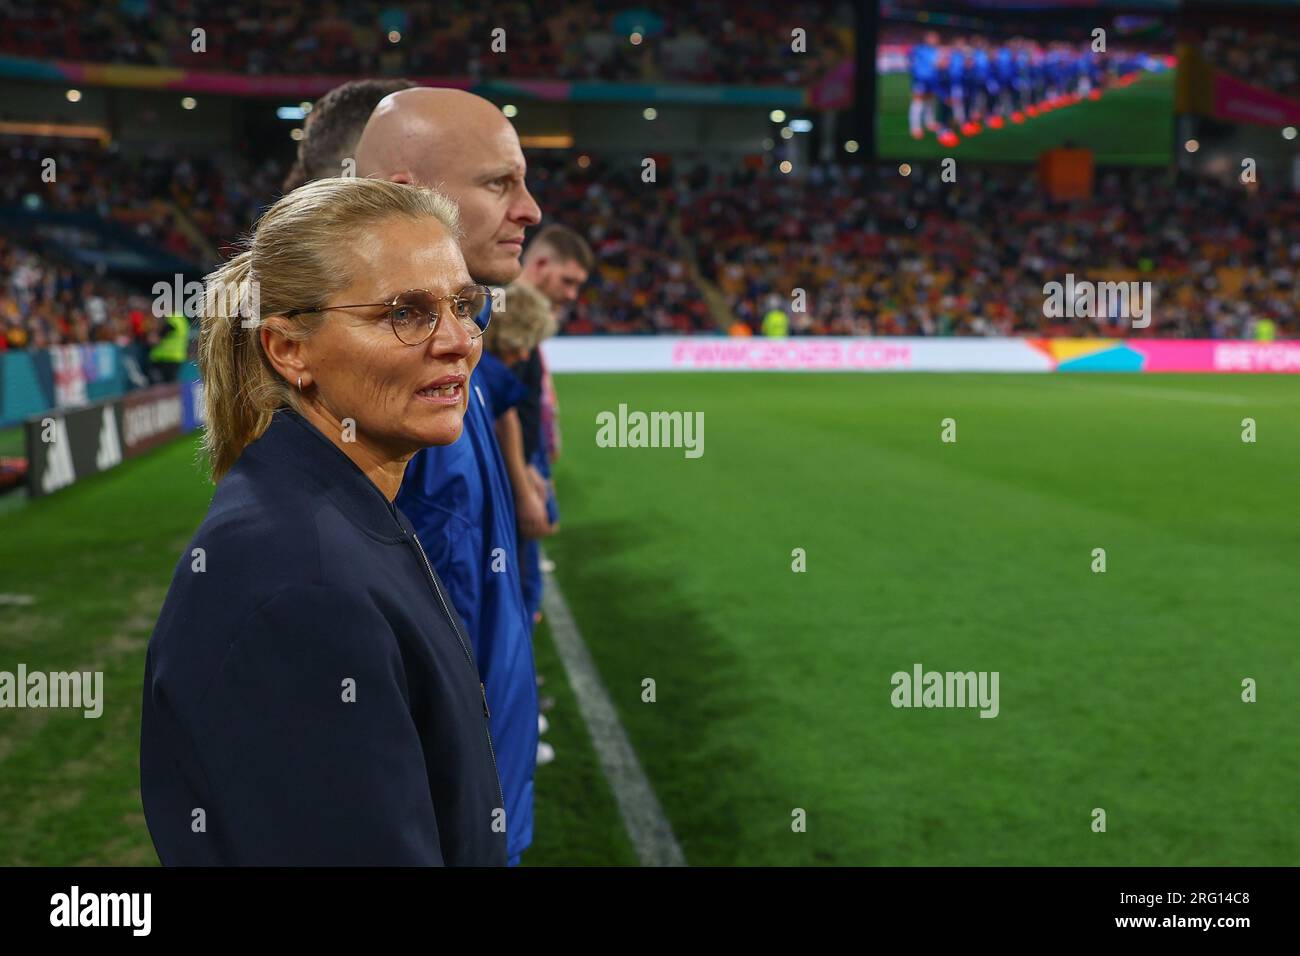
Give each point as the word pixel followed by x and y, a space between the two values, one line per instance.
pixel 291 441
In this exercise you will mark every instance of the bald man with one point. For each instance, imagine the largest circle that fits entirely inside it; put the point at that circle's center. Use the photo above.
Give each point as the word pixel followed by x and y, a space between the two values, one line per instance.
pixel 463 145
pixel 459 496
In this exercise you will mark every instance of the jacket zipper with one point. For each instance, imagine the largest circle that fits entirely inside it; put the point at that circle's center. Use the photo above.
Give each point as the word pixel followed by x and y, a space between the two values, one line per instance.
pixel 455 626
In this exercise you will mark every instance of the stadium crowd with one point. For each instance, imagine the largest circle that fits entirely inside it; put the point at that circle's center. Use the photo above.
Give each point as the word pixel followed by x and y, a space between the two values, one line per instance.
pixel 881 254
pixel 642 283
pixel 43 303
pixel 712 41
pixel 1267 57
pixel 877 253
pixel 183 205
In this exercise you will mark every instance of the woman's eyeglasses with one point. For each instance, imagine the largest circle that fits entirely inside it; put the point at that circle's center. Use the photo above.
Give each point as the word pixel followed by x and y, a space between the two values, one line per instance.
pixel 414 314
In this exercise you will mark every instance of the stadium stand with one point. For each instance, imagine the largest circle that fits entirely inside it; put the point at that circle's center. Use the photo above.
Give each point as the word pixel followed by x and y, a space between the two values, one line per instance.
pixel 44 303
pixel 1263 56
pixel 189 206
pixel 878 253
pixel 707 42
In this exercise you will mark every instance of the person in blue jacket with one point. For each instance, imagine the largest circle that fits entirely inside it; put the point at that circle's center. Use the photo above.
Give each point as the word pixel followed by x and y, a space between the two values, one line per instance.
pixel 517 328
pixel 954 84
pixel 982 92
pixel 309 695
pixel 516 333
pixel 458 496
pixel 924 66
pixel 1004 68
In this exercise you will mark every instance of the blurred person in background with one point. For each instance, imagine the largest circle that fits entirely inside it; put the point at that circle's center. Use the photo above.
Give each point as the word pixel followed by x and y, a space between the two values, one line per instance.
pixel 334 126
pixel 311 690
pixel 558 263
pixel 458 496
pixel 518 328
pixel 172 349
pixel 776 324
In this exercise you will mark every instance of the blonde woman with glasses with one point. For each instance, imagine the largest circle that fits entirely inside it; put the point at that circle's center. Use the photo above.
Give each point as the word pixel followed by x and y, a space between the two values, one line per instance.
pixel 310 697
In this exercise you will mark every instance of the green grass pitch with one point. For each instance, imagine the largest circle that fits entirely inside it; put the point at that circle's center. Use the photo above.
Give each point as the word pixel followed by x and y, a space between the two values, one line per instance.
pixel 1128 125
pixel 1119 691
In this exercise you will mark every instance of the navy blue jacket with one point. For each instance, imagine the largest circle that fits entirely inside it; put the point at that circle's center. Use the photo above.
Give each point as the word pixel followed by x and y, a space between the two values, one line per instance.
pixel 309 698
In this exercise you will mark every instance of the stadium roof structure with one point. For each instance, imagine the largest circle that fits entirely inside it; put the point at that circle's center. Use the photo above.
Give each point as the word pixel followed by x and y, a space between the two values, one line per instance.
pixel 832 92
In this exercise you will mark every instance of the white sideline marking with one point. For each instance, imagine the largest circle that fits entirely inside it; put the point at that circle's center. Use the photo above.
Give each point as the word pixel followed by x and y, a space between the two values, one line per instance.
pixel 647 827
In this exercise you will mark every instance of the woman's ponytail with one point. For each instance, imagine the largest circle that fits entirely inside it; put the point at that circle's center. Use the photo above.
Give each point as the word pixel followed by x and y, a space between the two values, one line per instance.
pixel 237 383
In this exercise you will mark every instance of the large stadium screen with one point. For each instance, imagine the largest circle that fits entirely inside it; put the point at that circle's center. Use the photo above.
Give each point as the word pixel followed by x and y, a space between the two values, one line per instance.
pixel 1001 81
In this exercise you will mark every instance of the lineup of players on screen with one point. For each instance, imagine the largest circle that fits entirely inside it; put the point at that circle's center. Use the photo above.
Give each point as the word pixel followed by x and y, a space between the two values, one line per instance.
pixel 962 84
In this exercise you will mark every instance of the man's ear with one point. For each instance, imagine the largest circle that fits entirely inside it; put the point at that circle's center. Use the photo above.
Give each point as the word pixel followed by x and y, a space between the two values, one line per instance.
pixel 402 176
pixel 285 354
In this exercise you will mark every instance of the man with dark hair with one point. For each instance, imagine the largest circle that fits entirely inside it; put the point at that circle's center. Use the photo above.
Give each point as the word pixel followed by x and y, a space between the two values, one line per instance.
pixel 334 127
pixel 557 262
